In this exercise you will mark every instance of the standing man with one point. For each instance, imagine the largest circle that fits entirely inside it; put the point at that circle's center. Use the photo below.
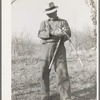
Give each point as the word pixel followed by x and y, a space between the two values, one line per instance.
pixel 50 32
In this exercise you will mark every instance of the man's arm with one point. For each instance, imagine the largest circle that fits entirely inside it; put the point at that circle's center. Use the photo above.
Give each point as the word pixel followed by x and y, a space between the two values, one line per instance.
pixel 66 30
pixel 61 32
pixel 43 31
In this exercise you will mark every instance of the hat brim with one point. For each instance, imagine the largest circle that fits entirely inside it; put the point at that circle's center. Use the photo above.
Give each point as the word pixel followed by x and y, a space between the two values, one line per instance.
pixel 51 11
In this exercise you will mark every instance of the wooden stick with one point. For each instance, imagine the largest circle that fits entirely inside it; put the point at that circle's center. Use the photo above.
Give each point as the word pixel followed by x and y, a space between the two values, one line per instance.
pixel 74 50
pixel 54 54
pixel 57 50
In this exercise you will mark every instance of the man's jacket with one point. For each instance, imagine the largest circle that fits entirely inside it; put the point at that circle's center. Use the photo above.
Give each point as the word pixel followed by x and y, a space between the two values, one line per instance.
pixel 48 29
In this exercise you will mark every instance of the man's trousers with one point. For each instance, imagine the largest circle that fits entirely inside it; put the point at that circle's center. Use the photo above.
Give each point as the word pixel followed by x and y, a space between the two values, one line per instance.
pixel 60 66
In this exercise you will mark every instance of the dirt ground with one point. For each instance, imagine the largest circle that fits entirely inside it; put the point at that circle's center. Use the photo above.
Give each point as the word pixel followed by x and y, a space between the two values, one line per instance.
pixel 26 78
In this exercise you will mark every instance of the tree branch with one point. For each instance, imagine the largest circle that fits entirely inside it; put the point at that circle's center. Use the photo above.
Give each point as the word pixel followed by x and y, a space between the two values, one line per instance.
pixel 13 1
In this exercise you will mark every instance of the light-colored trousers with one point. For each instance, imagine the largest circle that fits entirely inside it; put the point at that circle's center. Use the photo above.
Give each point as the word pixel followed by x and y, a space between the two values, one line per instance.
pixel 60 66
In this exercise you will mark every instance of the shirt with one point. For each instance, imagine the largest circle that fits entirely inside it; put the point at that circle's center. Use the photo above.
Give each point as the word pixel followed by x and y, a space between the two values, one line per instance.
pixel 49 26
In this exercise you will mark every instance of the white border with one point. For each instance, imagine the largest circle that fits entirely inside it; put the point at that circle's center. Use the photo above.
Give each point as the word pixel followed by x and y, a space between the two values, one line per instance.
pixel 6 50
pixel 97 50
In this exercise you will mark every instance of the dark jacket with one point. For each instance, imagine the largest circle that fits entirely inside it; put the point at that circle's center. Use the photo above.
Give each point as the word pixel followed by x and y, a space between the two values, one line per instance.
pixel 49 26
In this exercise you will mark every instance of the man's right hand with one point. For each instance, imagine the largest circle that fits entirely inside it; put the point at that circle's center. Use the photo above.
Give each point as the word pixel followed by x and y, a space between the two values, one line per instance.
pixel 57 32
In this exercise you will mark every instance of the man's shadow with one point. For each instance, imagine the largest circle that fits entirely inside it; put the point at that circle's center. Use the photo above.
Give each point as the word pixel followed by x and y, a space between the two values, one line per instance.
pixel 85 94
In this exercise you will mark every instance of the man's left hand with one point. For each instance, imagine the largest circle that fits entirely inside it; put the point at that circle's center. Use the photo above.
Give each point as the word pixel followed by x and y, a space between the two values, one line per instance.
pixel 58 32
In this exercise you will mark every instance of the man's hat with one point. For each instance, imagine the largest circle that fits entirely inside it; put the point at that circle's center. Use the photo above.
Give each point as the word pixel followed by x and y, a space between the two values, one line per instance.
pixel 50 8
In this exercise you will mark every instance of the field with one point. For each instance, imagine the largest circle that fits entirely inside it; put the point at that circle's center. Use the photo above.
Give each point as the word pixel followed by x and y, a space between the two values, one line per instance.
pixel 26 78
pixel 26 72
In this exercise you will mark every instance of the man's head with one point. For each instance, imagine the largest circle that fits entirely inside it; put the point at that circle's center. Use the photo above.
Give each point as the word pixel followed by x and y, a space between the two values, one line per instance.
pixel 51 10
pixel 52 15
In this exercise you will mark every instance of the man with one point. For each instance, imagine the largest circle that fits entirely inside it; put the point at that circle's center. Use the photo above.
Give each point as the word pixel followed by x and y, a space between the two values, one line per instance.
pixel 50 32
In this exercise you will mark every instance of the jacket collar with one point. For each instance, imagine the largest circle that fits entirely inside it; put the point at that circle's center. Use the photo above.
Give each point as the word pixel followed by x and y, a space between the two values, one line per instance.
pixel 51 19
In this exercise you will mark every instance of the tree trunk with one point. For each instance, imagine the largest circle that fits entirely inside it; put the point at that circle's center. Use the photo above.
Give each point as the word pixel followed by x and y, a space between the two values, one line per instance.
pixel 92 4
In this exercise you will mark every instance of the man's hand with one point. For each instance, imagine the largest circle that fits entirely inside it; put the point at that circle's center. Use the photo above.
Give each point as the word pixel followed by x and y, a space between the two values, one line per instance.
pixel 57 32
pixel 65 29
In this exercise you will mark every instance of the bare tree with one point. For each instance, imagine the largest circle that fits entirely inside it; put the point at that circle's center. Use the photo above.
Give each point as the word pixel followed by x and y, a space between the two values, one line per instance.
pixel 92 4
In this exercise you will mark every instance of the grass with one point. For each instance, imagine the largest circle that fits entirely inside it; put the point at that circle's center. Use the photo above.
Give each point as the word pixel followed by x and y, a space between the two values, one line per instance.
pixel 26 78
pixel 26 69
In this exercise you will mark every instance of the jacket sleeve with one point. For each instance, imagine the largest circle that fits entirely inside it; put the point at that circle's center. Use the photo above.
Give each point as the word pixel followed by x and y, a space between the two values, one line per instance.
pixel 67 30
pixel 43 31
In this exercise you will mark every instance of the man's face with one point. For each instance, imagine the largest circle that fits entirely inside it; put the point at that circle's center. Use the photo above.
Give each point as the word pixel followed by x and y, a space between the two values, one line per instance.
pixel 52 15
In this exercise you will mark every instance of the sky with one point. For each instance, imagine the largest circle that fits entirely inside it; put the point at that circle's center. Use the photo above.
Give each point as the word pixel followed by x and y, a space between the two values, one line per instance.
pixel 28 14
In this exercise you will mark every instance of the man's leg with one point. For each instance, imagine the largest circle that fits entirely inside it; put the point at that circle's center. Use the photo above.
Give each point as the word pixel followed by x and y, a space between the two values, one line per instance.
pixel 63 79
pixel 47 54
pixel 45 80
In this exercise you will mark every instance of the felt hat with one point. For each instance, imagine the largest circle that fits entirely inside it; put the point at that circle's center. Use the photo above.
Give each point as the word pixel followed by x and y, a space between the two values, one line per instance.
pixel 50 8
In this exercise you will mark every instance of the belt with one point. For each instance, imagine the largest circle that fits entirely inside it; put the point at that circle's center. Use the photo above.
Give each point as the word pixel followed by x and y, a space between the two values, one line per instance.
pixel 49 42
pixel 53 42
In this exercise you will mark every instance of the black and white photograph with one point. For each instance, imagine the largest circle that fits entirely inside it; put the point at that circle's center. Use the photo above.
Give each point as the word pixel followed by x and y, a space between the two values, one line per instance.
pixel 54 48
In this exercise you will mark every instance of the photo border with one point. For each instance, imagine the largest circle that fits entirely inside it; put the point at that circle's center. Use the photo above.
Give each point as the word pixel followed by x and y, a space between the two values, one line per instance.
pixel 5 53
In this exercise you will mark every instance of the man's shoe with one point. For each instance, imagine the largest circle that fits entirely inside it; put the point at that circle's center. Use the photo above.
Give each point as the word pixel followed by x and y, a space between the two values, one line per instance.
pixel 46 98
pixel 67 99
